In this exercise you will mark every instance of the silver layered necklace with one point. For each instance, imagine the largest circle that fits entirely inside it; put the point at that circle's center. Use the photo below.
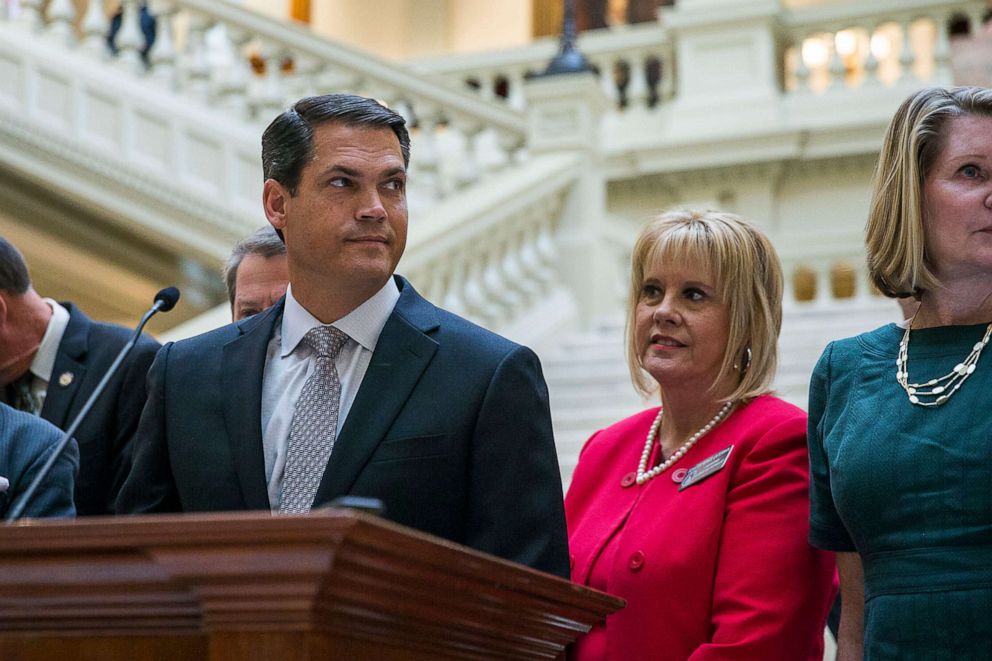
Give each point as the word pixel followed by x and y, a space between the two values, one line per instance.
pixel 938 390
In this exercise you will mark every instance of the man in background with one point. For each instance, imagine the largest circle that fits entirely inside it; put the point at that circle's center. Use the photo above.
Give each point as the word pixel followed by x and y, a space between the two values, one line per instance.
pixel 52 356
pixel 256 273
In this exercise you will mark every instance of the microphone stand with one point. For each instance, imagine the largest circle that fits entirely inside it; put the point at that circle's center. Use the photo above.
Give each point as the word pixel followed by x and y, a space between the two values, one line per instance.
pixel 165 300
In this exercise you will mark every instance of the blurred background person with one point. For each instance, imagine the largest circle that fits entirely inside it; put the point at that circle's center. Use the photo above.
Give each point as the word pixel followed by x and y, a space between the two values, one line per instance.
pixel 52 356
pixel 695 512
pixel 25 444
pixel 256 273
pixel 899 431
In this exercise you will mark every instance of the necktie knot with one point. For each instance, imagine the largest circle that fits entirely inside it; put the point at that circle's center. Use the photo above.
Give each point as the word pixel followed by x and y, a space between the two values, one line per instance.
pixel 325 341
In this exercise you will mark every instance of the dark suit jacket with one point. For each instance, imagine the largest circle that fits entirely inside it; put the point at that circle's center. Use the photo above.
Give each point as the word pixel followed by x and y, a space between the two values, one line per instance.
pixel 450 428
pixel 25 444
pixel 86 351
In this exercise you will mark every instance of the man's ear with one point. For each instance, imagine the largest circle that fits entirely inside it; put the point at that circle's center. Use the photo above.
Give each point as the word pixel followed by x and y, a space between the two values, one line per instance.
pixel 274 199
pixel 3 308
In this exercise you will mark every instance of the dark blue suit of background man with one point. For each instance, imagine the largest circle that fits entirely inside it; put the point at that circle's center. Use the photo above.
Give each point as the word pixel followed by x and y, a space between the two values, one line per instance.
pixel 450 426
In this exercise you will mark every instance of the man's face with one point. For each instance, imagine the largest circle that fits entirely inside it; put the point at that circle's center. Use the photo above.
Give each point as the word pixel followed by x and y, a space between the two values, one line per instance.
pixel 259 283
pixel 347 222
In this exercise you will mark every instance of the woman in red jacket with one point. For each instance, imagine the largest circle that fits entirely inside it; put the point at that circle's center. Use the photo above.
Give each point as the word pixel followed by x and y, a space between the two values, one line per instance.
pixel 696 512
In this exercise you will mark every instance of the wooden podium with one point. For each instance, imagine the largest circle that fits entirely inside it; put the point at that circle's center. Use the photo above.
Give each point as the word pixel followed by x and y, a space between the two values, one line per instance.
pixel 333 584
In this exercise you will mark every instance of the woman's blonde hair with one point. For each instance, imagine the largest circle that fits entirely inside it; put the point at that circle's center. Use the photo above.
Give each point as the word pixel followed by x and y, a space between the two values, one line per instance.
pixel 898 262
pixel 747 275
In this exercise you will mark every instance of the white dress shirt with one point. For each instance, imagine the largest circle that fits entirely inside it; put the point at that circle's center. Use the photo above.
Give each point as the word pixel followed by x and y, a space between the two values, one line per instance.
pixel 289 362
pixel 44 360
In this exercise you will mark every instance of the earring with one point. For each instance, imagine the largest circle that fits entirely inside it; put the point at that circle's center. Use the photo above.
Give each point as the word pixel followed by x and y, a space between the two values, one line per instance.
pixel 747 361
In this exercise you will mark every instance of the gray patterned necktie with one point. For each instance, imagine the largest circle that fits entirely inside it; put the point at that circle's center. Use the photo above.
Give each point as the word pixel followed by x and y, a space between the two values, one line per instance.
pixel 315 421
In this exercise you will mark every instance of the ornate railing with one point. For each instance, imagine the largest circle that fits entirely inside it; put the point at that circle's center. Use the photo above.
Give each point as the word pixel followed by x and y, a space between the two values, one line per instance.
pixel 634 64
pixel 835 46
pixel 251 67
pixel 501 264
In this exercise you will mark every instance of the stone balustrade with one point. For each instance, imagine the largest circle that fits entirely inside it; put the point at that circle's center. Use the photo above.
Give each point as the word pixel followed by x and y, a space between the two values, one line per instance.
pixel 503 263
pixel 634 64
pixel 252 67
pixel 832 47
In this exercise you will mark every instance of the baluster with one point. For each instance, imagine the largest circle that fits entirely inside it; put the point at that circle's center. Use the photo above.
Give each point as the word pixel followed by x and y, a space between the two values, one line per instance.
pixel 233 84
pixel 487 85
pixel 162 56
pixel 788 287
pixel 824 290
pixel 942 47
pixel 195 64
pixel 271 95
pixel 546 249
pixel 906 56
pixel 608 79
pixel 637 88
pixel 30 16
pixel 303 82
pixel 509 144
pixel 130 39
pixel 871 62
pixel 802 71
pixel 514 272
pixel 61 16
pixel 470 168
pixel 837 69
pixel 502 301
pixel 449 288
pixel 530 256
pixel 95 27
pixel 474 294
pixel 667 91
pixel 515 97
pixel 426 162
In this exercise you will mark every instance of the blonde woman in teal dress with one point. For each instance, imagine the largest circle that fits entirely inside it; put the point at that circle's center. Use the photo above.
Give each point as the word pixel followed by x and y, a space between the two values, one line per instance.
pixel 900 419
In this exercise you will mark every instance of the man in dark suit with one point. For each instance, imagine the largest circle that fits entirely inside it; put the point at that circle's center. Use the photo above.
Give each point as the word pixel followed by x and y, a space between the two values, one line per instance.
pixel 25 444
pixel 353 384
pixel 52 356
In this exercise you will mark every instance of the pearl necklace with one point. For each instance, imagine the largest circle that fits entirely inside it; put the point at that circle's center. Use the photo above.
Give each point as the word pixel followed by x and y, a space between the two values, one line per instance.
pixel 643 475
pixel 936 387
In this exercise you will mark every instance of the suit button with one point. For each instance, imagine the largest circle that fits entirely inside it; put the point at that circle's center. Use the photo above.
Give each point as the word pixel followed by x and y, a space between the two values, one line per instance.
pixel 636 560
pixel 628 480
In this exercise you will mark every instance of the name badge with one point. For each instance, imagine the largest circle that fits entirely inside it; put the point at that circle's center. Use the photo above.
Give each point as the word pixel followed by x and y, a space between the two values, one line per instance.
pixel 705 468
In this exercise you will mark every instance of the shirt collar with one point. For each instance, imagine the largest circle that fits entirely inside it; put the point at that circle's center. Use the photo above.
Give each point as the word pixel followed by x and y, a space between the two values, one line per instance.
pixel 363 324
pixel 44 359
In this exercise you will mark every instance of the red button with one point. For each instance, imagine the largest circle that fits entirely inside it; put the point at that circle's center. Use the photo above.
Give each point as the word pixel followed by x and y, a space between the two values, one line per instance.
pixel 628 480
pixel 636 560
pixel 679 475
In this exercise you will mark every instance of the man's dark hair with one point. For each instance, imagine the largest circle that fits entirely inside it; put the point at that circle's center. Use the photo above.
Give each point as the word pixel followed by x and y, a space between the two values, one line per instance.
pixel 14 276
pixel 287 143
pixel 263 242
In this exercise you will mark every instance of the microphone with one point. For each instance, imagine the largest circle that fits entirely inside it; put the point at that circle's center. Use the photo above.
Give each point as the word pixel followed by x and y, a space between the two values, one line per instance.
pixel 165 300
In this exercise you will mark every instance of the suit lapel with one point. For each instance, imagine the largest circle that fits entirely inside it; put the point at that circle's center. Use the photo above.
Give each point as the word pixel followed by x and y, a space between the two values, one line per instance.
pixel 402 353
pixel 68 361
pixel 242 367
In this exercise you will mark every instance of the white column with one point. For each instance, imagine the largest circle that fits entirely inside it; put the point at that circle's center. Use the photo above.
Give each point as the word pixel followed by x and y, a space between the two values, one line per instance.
pixel 61 16
pixel 95 27
pixel 130 39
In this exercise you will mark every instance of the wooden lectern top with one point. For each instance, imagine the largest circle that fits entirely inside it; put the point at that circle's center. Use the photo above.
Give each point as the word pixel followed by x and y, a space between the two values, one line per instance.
pixel 330 584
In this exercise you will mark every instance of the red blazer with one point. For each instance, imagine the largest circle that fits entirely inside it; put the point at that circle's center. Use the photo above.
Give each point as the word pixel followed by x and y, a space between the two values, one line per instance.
pixel 720 570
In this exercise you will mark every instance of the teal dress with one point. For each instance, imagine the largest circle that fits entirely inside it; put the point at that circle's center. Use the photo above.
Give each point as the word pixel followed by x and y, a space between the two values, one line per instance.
pixel 909 488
